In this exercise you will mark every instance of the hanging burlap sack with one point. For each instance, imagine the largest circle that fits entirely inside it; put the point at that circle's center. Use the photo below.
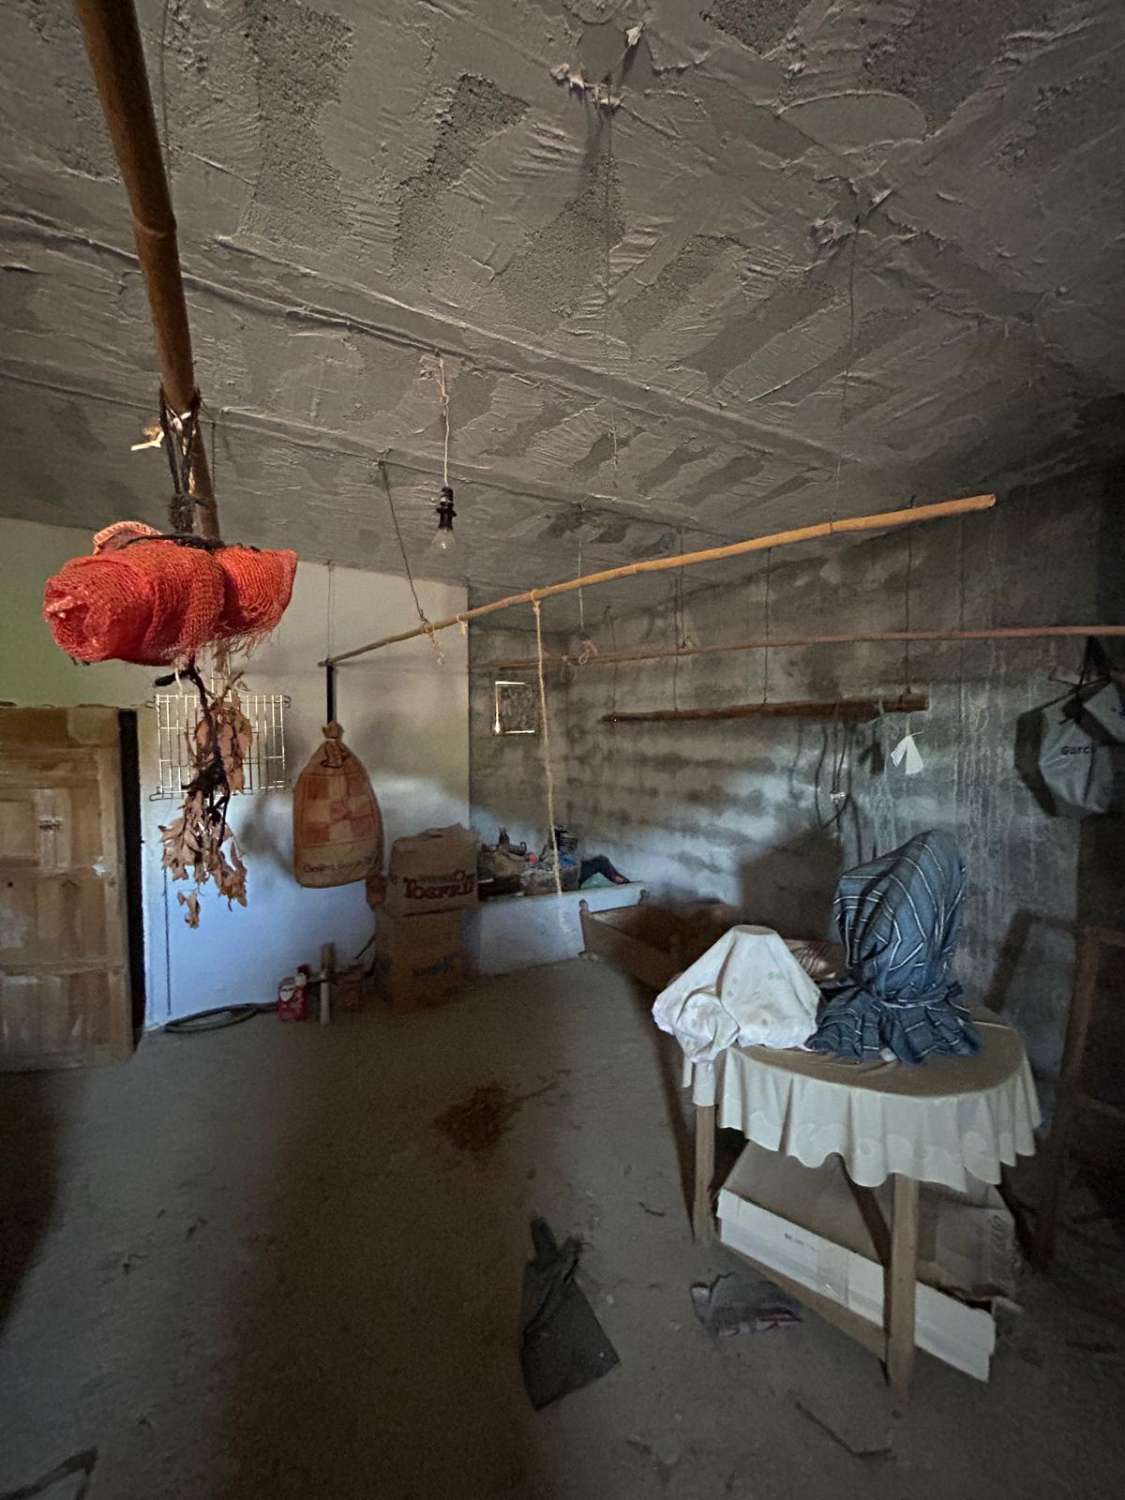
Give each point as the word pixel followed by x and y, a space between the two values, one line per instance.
pixel 337 825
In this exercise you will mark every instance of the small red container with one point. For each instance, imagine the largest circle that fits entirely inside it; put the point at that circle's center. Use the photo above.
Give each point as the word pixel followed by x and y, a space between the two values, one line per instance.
pixel 293 996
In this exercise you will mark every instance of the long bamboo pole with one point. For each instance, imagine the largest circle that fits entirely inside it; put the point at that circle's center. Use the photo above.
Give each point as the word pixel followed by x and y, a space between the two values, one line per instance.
pixel 842 708
pixel 883 521
pixel 678 653
pixel 117 61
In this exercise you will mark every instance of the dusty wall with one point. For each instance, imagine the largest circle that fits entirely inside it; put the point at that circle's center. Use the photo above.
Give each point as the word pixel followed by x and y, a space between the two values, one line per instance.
pixel 744 810
pixel 404 715
pixel 506 771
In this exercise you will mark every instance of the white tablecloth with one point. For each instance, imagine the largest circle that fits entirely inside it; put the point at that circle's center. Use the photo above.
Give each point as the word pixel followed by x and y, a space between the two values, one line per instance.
pixel 950 1121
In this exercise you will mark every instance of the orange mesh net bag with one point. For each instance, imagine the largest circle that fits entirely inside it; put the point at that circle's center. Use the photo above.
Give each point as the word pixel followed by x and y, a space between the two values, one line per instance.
pixel 145 599
pixel 257 589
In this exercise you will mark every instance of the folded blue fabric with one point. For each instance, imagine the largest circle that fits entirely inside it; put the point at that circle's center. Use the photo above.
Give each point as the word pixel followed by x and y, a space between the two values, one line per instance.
pixel 898 918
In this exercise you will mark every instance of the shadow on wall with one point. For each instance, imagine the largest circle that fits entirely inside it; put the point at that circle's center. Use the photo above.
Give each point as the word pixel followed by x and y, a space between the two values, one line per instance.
pixel 262 829
pixel 790 888
pixel 1029 743
pixel 1001 994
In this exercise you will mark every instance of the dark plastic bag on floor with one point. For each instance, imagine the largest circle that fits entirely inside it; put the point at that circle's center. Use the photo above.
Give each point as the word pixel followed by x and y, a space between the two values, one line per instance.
pixel 562 1345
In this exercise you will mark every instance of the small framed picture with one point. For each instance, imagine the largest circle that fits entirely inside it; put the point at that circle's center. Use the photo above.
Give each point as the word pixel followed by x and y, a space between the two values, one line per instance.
pixel 517 708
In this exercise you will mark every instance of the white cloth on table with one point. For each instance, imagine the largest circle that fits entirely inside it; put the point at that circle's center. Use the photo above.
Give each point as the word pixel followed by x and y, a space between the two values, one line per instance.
pixel 747 989
pixel 951 1121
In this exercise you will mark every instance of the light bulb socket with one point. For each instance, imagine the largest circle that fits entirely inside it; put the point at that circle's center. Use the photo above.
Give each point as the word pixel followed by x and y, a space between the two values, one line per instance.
pixel 445 511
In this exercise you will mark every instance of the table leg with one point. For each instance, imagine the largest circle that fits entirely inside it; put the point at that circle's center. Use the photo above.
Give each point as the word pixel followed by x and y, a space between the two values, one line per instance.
pixel 701 1220
pixel 902 1280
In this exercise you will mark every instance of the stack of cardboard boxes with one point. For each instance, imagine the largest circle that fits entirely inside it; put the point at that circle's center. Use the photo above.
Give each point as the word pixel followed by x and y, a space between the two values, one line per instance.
pixel 419 930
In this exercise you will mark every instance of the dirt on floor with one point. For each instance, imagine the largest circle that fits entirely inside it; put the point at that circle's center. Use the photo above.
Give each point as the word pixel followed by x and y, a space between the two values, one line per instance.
pixel 256 1263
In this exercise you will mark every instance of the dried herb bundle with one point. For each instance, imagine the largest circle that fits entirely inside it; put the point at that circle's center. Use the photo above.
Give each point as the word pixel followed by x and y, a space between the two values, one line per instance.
pixel 200 844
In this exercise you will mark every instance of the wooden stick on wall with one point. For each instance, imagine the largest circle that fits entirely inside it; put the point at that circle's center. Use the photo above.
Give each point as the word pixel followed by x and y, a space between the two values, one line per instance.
pixel 883 521
pixel 117 61
pixel 840 708
pixel 666 653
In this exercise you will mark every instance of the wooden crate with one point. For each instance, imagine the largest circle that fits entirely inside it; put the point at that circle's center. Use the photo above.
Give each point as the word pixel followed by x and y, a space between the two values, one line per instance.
pixel 654 943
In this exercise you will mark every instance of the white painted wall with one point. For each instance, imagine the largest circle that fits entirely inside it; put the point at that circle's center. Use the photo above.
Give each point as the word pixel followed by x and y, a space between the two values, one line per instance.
pixel 404 715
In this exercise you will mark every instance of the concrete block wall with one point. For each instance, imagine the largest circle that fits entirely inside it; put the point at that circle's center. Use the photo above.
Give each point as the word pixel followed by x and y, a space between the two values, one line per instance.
pixel 507 779
pixel 766 813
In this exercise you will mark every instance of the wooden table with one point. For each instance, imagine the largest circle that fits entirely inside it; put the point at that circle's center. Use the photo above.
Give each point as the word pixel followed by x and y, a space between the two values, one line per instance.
pixel 952 1121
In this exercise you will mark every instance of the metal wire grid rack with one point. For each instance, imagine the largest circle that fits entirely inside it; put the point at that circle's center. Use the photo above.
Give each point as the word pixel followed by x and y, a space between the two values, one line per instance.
pixel 177 715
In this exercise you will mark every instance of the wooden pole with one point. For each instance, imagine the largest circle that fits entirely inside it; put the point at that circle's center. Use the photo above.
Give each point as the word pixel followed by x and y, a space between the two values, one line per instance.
pixel 327 979
pixel 117 61
pixel 881 522
pixel 842 708
pixel 901 1284
pixel 666 653
pixel 702 1218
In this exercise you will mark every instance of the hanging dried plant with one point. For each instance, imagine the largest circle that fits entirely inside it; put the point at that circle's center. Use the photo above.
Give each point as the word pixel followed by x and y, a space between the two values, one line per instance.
pixel 233 731
pixel 200 845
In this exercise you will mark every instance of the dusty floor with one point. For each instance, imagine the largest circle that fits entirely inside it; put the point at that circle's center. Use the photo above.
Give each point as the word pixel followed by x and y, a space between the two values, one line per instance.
pixel 248 1264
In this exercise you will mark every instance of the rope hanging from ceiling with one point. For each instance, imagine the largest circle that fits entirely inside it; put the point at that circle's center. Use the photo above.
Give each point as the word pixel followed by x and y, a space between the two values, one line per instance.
pixel 544 719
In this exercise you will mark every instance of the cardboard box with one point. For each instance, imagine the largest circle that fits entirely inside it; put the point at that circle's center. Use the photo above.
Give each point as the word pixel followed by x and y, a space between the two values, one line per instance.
pixel 806 1224
pixel 434 871
pixel 419 961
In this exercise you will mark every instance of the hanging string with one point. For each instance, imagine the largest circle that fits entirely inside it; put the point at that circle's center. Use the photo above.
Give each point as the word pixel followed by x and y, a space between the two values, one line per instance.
pixel 749 634
pixel 581 574
pixel 909 726
pixel 606 285
pixel 675 642
pixel 445 419
pixel 213 422
pixel 178 431
pixel 328 608
pixel 766 652
pixel 681 633
pixel 607 619
pixel 329 641
pixel 961 647
pixel 678 624
pixel 906 607
pixel 166 149
pixel 425 623
pixel 545 721
pixel 848 357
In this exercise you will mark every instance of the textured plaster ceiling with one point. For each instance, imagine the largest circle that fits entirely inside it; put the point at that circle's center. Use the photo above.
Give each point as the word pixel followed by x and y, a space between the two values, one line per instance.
pixel 363 187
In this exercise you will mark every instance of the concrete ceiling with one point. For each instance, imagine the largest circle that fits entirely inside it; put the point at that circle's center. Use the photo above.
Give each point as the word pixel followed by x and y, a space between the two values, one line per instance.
pixel 854 252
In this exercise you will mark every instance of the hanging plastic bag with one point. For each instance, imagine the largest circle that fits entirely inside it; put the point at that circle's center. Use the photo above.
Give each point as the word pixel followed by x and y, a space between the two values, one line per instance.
pixel 1082 742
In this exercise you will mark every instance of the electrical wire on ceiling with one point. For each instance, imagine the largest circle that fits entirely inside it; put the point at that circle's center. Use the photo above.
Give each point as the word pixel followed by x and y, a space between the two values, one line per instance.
pixel 849 355
pixel 423 619
pixel 607 286
pixel 766 631
pixel 444 396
